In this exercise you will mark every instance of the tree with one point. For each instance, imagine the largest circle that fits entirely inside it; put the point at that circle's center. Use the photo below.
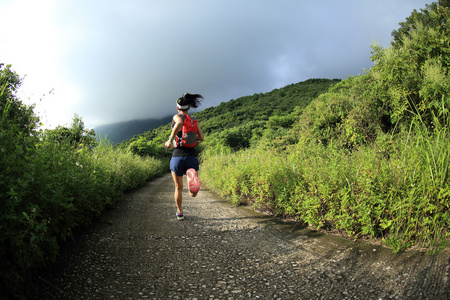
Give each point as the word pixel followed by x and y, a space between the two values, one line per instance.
pixel 423 17
pixel 414 71
pixel 18 138
pixel 76 135
pixel 14 114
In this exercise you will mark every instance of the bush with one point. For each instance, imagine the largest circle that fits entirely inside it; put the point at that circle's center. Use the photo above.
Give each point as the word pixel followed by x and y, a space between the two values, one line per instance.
pixel 414 72
pixel 63 189
pixel 142 147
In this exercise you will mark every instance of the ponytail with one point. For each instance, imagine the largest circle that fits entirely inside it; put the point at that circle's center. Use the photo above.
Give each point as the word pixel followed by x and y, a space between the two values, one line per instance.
pixel 193 100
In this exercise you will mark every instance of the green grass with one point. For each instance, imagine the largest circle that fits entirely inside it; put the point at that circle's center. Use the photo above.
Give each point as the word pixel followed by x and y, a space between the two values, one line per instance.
pixel 395 190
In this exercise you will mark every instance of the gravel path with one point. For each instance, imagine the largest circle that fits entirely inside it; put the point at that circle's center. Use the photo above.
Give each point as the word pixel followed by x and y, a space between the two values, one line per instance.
pixel 138 250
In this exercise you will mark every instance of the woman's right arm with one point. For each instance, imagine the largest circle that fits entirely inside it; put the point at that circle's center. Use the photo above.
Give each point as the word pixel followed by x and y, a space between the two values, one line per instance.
pixel 200 136
pixel 177 126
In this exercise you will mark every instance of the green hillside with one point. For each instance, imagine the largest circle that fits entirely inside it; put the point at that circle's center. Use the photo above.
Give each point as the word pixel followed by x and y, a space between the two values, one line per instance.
pixel 253 111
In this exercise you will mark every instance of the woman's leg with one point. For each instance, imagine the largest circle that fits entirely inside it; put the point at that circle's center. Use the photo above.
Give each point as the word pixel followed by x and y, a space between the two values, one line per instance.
pixel 178 195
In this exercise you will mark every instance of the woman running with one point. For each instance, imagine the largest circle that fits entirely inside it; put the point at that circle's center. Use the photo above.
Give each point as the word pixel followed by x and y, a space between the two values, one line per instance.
pixel 184 136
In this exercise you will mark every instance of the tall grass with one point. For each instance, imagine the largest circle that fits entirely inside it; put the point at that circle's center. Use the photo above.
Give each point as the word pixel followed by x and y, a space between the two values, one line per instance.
pixel 249 177
pixel 424 199
pixel 396 190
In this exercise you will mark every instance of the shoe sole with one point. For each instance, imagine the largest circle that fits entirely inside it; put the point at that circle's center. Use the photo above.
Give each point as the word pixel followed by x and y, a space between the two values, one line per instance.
pixel 193 181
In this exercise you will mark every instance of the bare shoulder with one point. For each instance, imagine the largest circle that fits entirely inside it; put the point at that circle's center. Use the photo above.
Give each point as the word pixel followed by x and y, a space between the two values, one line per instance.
pixel 177 118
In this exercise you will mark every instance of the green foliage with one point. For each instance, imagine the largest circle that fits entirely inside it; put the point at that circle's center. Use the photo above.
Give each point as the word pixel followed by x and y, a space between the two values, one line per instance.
pixel 17 140
pixel 142 147
pixel 258 180
pixel 76 135
pixel 15 114
pixel 350 113
pixel 414 74
pixel 238 137
pixel 423 17
pixel 277 122
pixel 260 107
pixel 396 190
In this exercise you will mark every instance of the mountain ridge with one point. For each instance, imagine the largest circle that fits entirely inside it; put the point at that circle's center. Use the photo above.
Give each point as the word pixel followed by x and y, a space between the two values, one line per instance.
pixel 246 109
pixel 121 131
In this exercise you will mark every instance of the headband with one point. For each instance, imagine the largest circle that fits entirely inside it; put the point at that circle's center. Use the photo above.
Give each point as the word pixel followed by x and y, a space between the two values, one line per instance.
pixel 182 107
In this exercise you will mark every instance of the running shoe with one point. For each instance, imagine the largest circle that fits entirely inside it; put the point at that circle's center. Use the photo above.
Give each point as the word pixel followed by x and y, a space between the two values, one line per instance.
pixel 193 181
pixel 180 216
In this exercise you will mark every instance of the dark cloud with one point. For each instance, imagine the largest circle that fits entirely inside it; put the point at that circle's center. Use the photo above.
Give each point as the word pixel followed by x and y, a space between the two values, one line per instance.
pixel 132 60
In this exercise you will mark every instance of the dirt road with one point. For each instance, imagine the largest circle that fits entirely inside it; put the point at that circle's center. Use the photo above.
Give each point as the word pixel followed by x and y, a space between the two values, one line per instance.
pixel 138 250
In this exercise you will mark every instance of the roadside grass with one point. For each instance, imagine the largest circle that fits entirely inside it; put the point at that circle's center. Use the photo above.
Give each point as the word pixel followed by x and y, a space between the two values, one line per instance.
pixel 51 189
pixel 395 190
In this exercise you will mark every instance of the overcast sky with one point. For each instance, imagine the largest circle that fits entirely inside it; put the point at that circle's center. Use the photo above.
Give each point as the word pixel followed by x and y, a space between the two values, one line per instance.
pixel 111 61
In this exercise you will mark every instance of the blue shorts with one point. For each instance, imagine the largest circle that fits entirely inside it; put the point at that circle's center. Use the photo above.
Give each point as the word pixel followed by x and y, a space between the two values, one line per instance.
pixel 179 165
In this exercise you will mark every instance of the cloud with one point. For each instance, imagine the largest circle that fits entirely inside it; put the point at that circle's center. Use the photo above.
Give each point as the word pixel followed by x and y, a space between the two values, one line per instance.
pixel 121 60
